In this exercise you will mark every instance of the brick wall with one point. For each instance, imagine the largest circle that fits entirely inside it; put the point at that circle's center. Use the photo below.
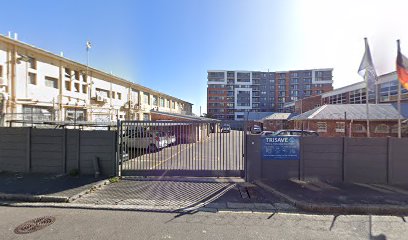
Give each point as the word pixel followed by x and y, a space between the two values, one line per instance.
pixel 331 128
pixel 307 104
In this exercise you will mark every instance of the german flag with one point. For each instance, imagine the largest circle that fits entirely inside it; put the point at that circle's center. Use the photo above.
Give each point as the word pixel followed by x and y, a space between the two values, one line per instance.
pixel 402 67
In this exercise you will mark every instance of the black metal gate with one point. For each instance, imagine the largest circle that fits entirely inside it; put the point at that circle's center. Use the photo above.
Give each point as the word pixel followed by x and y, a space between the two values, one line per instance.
pixel 194 148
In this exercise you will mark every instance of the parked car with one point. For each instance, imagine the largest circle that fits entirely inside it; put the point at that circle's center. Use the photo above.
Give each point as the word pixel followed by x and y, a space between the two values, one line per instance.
pixel 267 133
pixel 295 132
pixel 256 129
pixel 151 141
pixel 171 138
pixel 226 128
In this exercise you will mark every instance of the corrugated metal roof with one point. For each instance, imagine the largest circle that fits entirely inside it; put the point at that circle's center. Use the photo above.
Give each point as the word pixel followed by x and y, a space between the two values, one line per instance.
pixel 278 116
pixel 353 111
pixel 258 115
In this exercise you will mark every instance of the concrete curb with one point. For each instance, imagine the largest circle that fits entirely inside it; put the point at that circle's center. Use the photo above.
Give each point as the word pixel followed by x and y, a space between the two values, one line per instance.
pixel 96 186
pixel 51 198
pixel 33 198
pixel 329 208
pixel 140 208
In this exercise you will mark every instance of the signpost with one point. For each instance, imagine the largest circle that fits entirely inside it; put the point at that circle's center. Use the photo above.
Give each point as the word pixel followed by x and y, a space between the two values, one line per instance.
pixel 280 148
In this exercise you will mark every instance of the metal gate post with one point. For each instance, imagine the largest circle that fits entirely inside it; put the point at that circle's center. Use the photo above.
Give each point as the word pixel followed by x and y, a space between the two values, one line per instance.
pixel 245 151
pixel 119 149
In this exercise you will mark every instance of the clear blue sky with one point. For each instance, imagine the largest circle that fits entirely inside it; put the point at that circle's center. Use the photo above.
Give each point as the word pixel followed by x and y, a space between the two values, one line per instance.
pixel 169 45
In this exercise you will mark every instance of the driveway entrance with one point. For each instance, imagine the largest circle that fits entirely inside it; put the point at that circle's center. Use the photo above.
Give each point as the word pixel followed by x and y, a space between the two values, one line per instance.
pixel 195 148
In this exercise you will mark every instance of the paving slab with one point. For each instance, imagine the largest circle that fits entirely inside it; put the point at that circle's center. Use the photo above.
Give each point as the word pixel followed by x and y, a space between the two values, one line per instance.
pixel 44 187
pixel 347 198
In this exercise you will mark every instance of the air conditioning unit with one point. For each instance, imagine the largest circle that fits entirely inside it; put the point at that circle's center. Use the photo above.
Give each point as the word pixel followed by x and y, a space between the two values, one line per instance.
pixel 104 99
pixel 126 105
pixel 100 98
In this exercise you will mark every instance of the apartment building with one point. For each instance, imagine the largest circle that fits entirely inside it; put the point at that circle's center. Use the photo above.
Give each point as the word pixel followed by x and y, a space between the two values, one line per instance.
pixel 232 94
pixel 35 83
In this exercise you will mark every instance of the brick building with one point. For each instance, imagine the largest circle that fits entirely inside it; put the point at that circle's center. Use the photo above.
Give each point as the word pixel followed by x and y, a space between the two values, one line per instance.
pixel 277 121
pixel 350 120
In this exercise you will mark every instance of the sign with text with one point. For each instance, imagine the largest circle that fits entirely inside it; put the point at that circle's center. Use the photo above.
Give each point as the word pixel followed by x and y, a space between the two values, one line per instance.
pixel 280 148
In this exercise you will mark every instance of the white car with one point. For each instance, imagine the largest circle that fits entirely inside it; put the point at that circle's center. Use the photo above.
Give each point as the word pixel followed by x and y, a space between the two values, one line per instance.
pixel 151 141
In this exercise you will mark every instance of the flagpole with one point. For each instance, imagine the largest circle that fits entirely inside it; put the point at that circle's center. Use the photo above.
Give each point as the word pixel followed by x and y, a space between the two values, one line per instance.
pixel 367 107
pixel 399 98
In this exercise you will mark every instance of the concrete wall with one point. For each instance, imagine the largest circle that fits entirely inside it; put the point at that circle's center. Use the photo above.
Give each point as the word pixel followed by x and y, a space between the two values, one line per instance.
pixel 337 159
pixel 56 150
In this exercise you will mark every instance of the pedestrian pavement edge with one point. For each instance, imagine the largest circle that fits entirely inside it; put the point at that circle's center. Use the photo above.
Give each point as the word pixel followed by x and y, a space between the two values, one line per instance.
pixel 51 198
pixel 330 208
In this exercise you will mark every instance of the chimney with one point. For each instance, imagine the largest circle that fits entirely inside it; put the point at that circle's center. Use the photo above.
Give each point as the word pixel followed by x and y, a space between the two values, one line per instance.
pixel 15 36
pixel 9 34
pixel 61 53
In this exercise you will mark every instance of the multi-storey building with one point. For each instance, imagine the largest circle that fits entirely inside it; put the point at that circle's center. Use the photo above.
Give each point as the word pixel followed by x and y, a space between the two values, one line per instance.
pixel 35 83
pixel 386 91
pixel 232 94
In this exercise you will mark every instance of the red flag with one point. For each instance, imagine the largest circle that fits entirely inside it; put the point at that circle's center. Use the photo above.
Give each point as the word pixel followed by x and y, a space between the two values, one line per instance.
pixel 402 68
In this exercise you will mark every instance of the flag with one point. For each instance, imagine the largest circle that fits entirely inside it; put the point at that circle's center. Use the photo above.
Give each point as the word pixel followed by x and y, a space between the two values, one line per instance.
pixel 88 44
pixel 402 68
pixel 367 68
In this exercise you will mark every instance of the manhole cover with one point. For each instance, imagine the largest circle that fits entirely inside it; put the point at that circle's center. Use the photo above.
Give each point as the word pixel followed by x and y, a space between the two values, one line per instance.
pixel 34 225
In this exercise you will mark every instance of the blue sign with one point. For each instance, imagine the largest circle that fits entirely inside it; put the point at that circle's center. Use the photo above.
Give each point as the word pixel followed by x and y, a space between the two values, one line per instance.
pixel 280 148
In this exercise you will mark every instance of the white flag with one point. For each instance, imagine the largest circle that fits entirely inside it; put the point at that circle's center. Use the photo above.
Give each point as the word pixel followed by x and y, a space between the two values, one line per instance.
pixel 367 67
pixel 88 44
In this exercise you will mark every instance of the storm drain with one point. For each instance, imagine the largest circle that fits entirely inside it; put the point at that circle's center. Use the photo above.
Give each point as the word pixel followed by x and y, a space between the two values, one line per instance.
pixel 34 225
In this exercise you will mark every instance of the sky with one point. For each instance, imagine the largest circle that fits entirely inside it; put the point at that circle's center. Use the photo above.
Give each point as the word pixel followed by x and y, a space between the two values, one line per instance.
pixel 168 45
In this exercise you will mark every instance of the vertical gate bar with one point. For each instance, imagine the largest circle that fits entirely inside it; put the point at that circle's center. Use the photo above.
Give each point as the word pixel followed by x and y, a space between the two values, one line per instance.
pixel 201 141
pixel 218 148
pixel 190 155
pixel 120 160
pixel 170 127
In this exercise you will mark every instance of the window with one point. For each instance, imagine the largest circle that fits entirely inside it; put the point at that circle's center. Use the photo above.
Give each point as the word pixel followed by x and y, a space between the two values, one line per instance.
pixel 173 105
pixel 154 101
pixel 76 87
pixel 146 98
pixel 84 88
pixel 321 127
pixel 340 127
pixel 1 71
pixel 75 115
pixel 67 73
pixel 51 82
pixel 119 95
pixel 161 102
pixel 167 103
pixel 68 85
pixel 32 63
pixel 359 128
pixel 102 92
pixel 32 77
pixel 76 75
pixel 382 128
pixel 113 94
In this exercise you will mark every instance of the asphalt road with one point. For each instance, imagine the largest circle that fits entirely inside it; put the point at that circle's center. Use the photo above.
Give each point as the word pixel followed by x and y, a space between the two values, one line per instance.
pixel 219 151
pixel 101 224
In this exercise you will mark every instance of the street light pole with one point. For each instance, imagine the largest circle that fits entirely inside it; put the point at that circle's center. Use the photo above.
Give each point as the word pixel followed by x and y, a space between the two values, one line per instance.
pixel 88 46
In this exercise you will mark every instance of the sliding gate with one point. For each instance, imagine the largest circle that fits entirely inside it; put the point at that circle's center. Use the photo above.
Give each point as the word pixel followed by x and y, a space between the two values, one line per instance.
pixel 169 148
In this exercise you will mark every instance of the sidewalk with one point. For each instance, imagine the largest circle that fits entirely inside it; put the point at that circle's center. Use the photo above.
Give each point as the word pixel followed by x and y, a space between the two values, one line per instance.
pixel 341 198
pixel 45 187
pixel 185 195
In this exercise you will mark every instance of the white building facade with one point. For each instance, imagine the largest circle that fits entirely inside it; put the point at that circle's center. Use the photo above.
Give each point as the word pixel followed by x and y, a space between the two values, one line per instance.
pixel 38 84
